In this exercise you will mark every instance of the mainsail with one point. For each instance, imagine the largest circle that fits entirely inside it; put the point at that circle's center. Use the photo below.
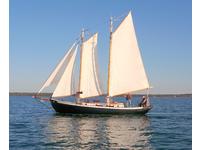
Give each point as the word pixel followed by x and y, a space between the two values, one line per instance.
pixel 64 87
pixel 58 71
pixel 89 83
pixel 126 73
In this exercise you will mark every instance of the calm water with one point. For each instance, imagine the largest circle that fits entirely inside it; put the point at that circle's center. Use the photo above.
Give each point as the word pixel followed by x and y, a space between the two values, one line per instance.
pixel 167 126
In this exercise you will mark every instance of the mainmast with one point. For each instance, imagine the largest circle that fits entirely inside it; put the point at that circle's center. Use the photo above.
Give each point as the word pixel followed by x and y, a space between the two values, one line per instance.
pixel 111 30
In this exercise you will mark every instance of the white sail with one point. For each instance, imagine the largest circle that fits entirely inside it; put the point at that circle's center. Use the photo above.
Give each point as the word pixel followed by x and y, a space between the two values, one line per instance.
pixel 89 83
pixel 64 87
pixel 127 72
pixel 57 71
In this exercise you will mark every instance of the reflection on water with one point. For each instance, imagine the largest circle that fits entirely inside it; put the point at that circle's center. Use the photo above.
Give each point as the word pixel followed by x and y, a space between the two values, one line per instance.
pixel 128 131
pixel 98 132
pixel 34 127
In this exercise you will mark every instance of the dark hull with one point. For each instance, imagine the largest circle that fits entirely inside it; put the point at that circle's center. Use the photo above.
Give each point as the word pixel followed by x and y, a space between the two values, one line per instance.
pixel 65 107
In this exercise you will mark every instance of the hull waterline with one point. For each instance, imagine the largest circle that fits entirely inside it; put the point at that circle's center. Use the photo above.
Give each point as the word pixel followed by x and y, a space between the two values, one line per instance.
pixel 72 108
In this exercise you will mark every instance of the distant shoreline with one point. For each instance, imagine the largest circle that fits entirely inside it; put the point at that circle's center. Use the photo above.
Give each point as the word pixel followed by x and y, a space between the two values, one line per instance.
pixel 48 94
pixel 27 94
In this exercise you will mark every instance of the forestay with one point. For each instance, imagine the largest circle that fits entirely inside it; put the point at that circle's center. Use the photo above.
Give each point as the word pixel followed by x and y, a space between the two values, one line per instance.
pixel 89 83
pixel 127 72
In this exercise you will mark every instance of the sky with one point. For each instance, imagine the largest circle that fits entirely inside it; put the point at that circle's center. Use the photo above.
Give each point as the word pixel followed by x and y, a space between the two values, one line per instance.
pixel 42 31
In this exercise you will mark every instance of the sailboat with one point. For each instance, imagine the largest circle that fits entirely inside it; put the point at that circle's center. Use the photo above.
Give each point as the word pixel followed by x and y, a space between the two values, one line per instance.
pixel 126 75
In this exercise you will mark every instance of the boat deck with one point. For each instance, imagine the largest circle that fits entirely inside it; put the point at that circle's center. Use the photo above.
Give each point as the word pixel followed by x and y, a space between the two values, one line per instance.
pixel 95 108
pixel 114 105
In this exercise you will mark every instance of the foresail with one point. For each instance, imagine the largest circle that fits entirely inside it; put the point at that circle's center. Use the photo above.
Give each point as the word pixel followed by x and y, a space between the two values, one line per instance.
pixel 127 73
pixel 65 87
pixel 89 82
pixel 55 75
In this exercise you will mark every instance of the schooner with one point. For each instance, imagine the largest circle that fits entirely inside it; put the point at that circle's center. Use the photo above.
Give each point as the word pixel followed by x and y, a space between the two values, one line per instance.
pixel 126 75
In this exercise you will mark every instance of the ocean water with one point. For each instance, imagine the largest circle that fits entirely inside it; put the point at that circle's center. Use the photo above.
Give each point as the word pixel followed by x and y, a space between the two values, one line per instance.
pixel 34 126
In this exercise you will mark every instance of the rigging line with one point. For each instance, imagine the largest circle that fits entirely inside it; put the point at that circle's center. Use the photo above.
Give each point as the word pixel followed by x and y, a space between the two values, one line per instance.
pixel 38 100
pixel 118 18
pixel 148 92
pixel 106 21
pixel 87 33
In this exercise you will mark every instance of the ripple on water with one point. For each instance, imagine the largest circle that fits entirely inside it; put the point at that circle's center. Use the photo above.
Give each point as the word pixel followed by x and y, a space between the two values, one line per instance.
pixel 166 126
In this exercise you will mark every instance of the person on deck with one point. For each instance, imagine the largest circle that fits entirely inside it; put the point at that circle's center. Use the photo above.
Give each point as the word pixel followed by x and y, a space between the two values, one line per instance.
pixel 143 103
pixel 77 95
pixel 128 98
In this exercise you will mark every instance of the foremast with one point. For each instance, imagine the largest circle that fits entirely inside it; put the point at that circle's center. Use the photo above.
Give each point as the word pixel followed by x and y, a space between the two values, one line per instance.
pixel 80 73
pixel 108 83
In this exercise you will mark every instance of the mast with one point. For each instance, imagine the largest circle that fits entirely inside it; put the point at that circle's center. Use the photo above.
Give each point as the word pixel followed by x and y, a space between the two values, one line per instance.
pixel 81 48
pixel 111 30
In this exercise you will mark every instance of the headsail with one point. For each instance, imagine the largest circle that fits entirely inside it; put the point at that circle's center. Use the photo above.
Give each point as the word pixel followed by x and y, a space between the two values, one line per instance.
pixel 127 73
pixel 58 71
pixel 89 83
pixel 64 87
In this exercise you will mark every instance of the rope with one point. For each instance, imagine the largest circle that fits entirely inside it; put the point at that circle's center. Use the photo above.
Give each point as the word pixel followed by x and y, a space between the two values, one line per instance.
pixel 115 18
pixel 119 17
pixel 39 100
pixel 148 93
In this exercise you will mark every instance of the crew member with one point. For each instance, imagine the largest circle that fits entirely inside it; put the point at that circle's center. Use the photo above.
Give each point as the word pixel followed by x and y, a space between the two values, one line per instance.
pixel 128 98
pixel 143 103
